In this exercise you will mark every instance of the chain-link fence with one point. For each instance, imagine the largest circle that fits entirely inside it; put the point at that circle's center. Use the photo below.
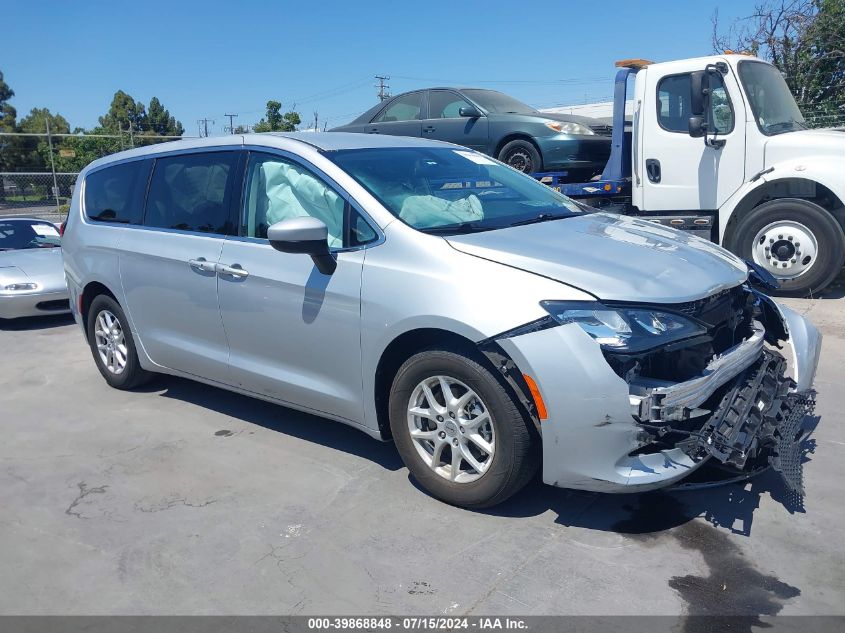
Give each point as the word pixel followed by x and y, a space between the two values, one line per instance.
pixel 38 170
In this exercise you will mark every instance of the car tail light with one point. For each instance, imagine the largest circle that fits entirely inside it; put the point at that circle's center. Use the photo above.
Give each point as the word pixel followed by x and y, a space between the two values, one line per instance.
pixel 62 228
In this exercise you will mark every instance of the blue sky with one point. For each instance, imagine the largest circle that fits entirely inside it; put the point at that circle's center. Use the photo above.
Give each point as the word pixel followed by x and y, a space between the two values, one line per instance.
pixel 203 59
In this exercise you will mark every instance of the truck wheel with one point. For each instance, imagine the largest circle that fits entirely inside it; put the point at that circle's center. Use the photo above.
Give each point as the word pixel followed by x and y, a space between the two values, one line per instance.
pixel 797 241
pixel 459 431
pixel 521 155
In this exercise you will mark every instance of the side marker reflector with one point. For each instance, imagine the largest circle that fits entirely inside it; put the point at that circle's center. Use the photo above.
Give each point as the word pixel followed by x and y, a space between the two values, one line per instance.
pixel 542 413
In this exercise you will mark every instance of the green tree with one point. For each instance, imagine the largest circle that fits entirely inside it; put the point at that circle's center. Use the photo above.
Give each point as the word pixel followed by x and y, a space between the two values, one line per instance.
pixel 123 111
pixel 8 114
pixel 160 122
pixel 805 40
pixel 34 151
pixel 275 121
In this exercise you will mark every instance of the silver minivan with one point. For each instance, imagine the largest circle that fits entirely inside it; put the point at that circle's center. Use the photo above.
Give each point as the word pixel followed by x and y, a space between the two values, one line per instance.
pixel 428 294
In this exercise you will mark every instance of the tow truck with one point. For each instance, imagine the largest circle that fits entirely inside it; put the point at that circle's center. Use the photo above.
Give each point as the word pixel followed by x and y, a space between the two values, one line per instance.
pixel 717 146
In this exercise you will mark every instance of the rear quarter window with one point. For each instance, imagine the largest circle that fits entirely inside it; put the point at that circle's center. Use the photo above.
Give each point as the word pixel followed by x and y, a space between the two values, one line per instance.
pixel 115 194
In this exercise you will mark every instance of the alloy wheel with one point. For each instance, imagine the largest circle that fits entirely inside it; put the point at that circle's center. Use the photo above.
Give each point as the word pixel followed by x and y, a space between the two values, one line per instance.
pixel 451 429
pixel 110 341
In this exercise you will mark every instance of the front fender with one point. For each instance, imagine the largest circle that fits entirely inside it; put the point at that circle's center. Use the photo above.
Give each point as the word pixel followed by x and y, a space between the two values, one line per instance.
pixel 821 170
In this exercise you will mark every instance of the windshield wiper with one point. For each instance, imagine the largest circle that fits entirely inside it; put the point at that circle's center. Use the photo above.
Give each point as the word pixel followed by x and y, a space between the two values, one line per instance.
pixel 542 217
pixel 463 227
pixel 786 125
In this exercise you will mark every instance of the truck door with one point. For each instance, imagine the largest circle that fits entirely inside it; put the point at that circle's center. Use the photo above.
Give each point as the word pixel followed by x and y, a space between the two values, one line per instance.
pixel 676 171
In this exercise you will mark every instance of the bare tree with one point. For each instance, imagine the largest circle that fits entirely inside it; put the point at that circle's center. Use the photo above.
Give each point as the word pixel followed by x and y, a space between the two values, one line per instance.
pixel 804 39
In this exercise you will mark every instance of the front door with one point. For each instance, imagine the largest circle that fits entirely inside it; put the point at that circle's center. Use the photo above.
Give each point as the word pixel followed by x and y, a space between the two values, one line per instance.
pixel 444 122
pixel 401 117
pixel 294 333
pixel 678 172
pixel 167 267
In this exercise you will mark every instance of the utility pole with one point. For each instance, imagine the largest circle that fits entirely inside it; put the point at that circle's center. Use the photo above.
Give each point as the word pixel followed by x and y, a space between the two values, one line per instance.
pixel 316 122
pixel 52 164
pixel 131 135
pixel 203 126
pixel 231 127
pixel 383 88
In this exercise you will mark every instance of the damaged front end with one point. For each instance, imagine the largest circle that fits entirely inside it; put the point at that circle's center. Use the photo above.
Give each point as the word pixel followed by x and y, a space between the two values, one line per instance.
pixel 725 378
pixel 726 395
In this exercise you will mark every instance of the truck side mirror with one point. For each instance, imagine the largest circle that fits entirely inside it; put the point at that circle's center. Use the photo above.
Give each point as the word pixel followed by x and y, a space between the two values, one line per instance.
pixel 699 91
pixel 697 126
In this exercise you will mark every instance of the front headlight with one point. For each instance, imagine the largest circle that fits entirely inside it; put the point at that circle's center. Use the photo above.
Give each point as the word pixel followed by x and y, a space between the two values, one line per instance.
pixel 21 287
pixel 568 127
pixel 626 330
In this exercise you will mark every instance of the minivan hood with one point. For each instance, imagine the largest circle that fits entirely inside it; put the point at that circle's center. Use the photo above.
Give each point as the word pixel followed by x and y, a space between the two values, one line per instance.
pixel 612 257
pixel 810 143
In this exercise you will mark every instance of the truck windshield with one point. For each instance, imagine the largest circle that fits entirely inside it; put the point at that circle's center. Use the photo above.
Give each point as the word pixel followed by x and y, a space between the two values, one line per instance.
pixel 771 101
pixel 497 102
pixel 452 191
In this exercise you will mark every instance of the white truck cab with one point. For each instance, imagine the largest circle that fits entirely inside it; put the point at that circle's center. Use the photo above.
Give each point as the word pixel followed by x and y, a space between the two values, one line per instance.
pixel 718 146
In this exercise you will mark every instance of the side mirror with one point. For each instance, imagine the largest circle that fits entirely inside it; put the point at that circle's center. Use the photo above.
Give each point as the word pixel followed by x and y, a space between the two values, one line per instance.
pixel 699 91
pixel 697 126
pixel 470 112
pixel 304 235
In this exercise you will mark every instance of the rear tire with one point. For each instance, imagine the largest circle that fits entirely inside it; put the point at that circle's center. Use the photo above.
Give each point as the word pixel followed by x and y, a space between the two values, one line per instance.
pixel 483 414
pixel 522 156
pixel 796 240
pixel 112 345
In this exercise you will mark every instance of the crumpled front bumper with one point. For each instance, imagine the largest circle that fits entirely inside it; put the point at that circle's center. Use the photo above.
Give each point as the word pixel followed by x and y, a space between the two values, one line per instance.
pixel 598 424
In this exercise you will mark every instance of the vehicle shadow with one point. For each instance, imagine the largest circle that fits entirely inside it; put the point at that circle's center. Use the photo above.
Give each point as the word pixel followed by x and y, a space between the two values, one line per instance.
pixel 278 418
pixel 729 506
pixel 36 323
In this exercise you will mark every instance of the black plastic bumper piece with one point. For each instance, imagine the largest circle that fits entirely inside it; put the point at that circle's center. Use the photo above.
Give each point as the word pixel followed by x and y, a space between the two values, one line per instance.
pixel 761 416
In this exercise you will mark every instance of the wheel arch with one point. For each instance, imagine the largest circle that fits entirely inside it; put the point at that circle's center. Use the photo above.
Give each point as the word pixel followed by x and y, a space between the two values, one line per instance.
pixel 91 291
pixel 782 188
pixel 405 345
pixel 516 136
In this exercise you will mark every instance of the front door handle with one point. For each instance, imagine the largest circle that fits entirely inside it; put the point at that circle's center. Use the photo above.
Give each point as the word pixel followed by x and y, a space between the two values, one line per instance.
pixel 652 168
pixel 429 128
pixel 235 271
pixel 201 263
pixel 374 130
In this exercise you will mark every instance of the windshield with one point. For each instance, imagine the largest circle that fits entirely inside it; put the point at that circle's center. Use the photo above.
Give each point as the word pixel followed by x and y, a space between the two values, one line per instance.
pixel 497 102
pixel 22 234
pixel 771 101
pixel 450 191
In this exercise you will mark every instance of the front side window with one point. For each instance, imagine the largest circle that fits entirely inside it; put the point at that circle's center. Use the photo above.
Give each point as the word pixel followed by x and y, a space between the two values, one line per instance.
pixel 278 189
pixel 498 102
pixel 25 234
pixel 191 192
pixel 403 108
pixel 447 190
pixel 443 104
pixel 115 194
pixel 771 101
pixel 674 104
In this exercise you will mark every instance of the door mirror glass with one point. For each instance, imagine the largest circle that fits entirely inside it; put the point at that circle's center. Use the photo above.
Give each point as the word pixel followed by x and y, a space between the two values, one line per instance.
pixel 697 126
pixel 306 235
pixel 471 112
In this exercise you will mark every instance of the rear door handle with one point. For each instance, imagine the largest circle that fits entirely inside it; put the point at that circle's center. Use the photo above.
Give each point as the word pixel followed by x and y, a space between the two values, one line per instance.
pixel 234 270
pixel 374 130
pixel 429 128
pixel 201 263
pixel 652 169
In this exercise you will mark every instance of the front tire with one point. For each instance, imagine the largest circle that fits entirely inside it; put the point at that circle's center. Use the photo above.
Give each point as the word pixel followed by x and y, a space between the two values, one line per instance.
pixel 522 156
pixel 796 240
pixel 461 434
pixel 112 346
